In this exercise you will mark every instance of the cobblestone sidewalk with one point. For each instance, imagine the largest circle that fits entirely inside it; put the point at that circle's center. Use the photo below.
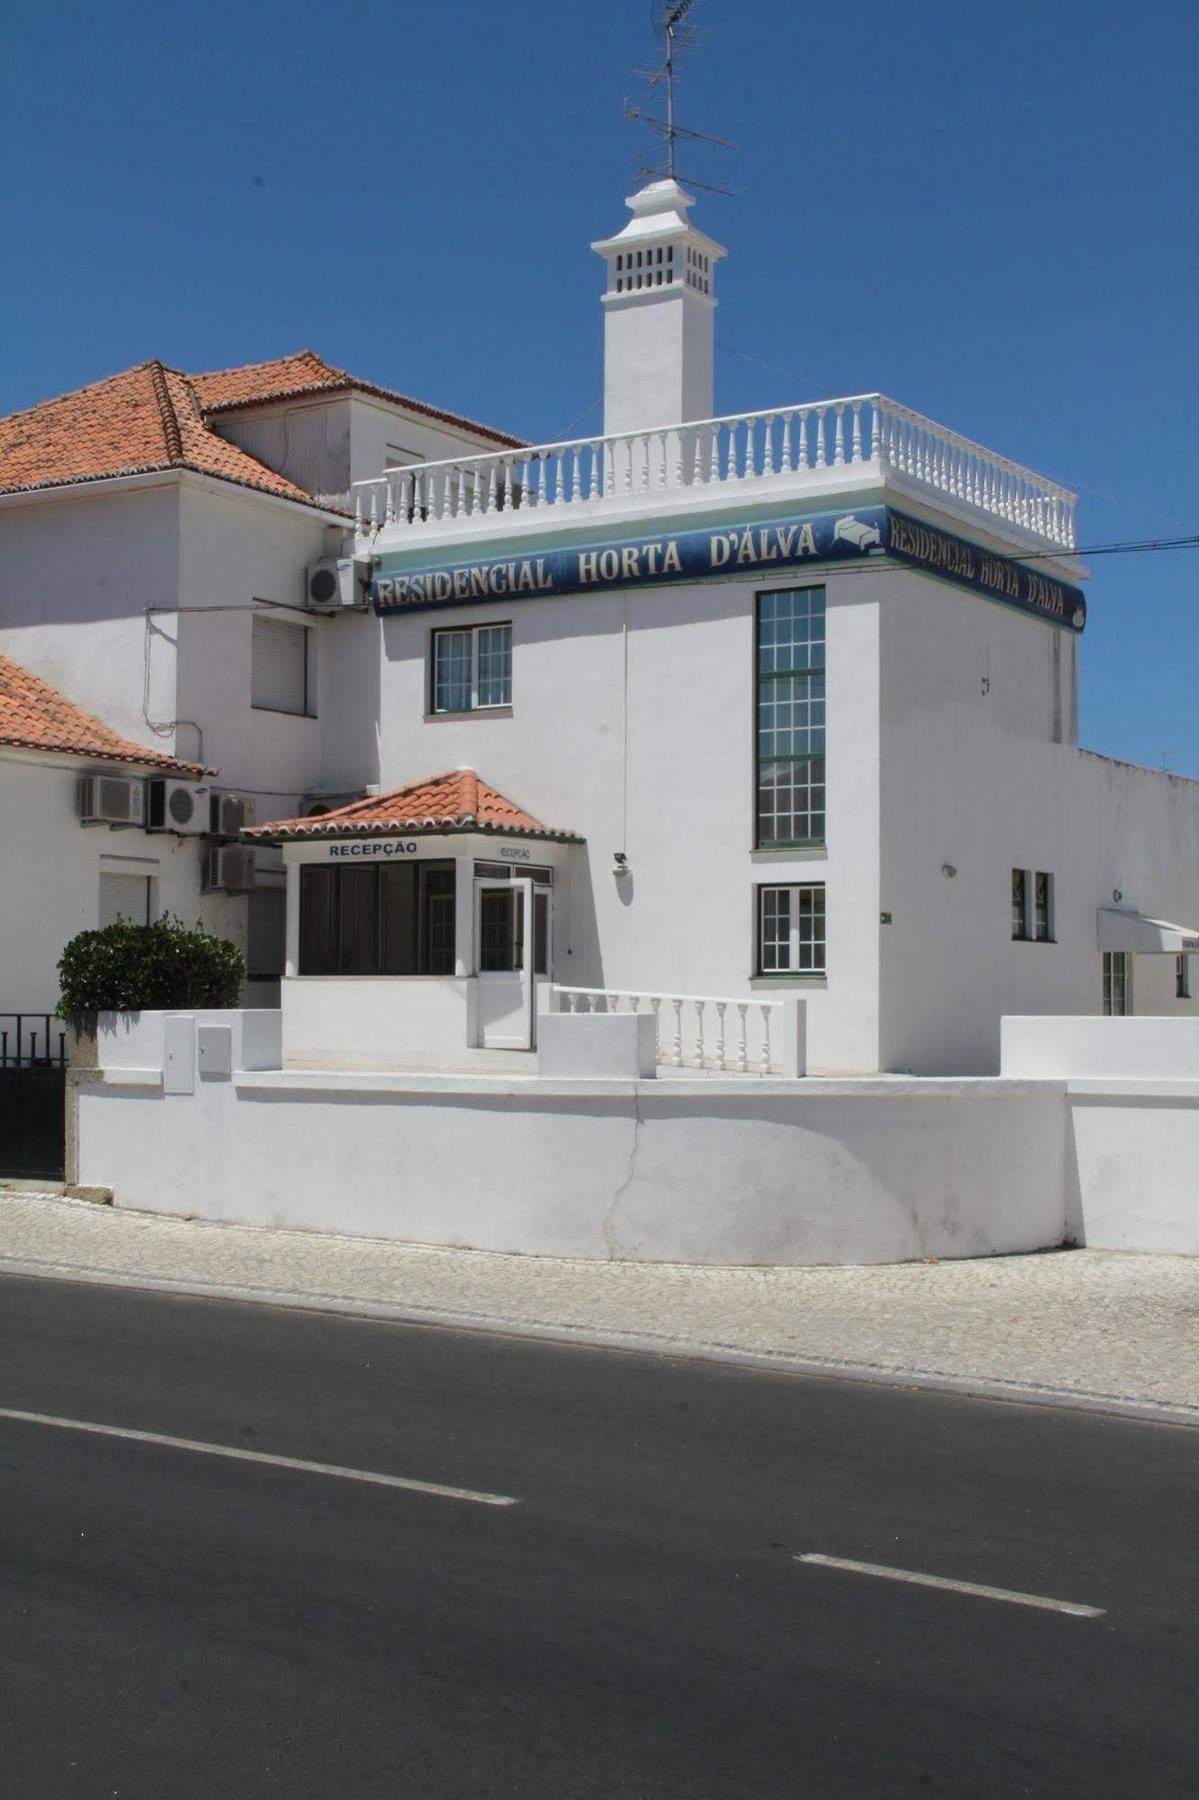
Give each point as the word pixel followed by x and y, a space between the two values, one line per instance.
pixel 1097 1327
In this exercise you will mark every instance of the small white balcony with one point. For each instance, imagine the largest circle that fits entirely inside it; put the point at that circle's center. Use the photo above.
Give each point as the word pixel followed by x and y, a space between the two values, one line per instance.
pixel 864 441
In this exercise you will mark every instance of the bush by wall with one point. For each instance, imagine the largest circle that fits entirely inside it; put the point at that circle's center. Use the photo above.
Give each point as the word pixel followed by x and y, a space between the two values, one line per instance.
pixel 139 968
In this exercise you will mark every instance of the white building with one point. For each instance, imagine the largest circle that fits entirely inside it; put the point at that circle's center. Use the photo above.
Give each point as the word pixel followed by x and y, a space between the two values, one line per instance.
pixel 804 681
pixel 65 869
pixel 157 534
pixel 794 694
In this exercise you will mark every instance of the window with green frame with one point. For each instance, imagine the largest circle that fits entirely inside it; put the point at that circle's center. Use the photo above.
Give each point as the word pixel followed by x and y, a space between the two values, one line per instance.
pixel 790 718
pixel 394 920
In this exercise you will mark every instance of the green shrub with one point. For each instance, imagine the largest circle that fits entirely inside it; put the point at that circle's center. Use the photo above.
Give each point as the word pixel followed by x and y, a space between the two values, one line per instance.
pixel 138 968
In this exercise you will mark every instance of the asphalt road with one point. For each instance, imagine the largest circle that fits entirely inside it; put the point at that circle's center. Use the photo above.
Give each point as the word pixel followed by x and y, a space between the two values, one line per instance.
pixel 174 1624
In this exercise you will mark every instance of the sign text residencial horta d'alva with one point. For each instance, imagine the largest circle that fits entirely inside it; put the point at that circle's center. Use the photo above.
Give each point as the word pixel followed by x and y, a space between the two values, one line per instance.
pixel 759 548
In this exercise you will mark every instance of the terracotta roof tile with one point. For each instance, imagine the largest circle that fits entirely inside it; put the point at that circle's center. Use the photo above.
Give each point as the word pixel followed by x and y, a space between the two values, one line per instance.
pixel 35 716
pixel 144 420
pixel 222 390
pixel 152 418
pixel 459 800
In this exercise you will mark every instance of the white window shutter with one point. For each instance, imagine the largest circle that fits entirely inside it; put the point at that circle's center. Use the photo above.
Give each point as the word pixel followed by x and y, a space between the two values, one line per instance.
pixel 279 666
pixel 124 897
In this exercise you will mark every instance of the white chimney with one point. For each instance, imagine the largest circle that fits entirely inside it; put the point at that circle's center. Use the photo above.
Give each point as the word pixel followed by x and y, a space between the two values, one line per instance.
pixel 658 314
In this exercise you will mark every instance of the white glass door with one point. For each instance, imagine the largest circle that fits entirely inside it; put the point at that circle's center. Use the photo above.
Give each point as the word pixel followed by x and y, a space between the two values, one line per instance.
pixel 505 952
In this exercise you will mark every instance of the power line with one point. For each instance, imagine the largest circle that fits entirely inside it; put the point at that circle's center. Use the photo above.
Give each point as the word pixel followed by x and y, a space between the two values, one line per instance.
pixel 1080 487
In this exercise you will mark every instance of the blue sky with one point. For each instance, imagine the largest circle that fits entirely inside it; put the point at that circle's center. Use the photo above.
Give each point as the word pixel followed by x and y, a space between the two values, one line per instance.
pixel 988 213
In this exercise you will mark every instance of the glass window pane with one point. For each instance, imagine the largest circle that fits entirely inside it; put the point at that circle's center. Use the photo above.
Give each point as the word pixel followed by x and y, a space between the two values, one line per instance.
pixel 776 930
pixel 318 921
pixel 437 943
pixel 398 905
pixel 541 934
pixel 791 715
pixel 495 665
pixel 791 801
pixel 451 671
pixel 810 929
pixel 496 935
pixel 1019 903
pixel 359 920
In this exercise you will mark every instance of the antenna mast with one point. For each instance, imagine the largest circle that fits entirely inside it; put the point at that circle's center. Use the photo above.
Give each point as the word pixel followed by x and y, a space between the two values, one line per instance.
pixel 667 19
pixel 670 24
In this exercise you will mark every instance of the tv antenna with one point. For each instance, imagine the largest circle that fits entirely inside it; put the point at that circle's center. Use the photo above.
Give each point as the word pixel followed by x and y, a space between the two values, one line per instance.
pixel 678 36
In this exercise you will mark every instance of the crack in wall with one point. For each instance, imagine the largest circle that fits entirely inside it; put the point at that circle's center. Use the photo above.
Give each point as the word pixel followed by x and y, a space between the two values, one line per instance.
pixel 608 1224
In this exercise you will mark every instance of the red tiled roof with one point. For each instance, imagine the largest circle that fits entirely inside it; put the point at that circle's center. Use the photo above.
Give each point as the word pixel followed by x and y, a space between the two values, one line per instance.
pixel 153 418
pixel 222 390
pixel 144 420
pixel 456 801
pixel 35 716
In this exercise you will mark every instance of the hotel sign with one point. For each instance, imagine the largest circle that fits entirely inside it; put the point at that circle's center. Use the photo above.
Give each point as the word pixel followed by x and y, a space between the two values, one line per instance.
pixel 809 540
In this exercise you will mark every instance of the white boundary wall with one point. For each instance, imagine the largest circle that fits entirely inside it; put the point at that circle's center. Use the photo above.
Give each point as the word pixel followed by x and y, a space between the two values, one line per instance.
pixel 686 1170
pixel 1132 1091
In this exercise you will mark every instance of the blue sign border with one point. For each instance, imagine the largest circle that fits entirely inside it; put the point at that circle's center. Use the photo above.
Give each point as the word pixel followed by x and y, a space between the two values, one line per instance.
pixel 752 548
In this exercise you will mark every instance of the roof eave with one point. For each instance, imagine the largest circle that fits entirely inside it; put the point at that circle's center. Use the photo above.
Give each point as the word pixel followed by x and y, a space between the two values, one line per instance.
pixel 323 832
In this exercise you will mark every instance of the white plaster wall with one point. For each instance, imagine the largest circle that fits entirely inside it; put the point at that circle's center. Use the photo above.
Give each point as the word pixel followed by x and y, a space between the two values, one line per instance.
pixel 1146 1049
pixel 683 810
pixel 377 424
pixel 326 444
pixel 657 359
pixel 332 1022
pixel 50 888
pixel 235 550
pixel 77 571
pixel 683 1171
pixel 1135 1151
pixel 137 1040
pixel 977 780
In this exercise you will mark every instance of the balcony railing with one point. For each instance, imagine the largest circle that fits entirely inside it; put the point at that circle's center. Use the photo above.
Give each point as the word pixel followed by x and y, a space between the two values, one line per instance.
pixel 694 1031
pixel 785 445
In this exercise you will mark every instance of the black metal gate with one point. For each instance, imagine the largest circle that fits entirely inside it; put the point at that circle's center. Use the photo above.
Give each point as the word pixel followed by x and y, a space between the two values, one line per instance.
pixel 33 1085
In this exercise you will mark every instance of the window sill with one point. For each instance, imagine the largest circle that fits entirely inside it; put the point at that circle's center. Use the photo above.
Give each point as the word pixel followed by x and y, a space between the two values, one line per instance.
pixel 811 978
pixel 808 846
pixel 470 712
pixel 281 712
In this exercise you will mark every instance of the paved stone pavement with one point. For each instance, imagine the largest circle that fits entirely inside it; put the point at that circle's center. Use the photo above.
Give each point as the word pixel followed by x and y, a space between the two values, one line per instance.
pixel 1096 1328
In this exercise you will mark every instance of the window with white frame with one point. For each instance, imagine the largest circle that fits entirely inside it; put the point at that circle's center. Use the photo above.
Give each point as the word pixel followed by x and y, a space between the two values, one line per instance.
pixel 790 718
pixel 1117 984
pixel 791 939
pixel 472 669
pixel 282 667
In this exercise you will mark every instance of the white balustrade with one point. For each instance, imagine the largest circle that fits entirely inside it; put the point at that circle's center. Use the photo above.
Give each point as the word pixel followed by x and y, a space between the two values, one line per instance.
pixel 763 446
pixel 689 1023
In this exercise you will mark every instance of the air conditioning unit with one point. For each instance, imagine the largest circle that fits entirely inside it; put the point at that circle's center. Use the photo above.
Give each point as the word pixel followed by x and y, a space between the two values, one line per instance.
pixel 111 800
pixel 336 583
pixel 181 806
pixel 229 814
pixel 229 870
